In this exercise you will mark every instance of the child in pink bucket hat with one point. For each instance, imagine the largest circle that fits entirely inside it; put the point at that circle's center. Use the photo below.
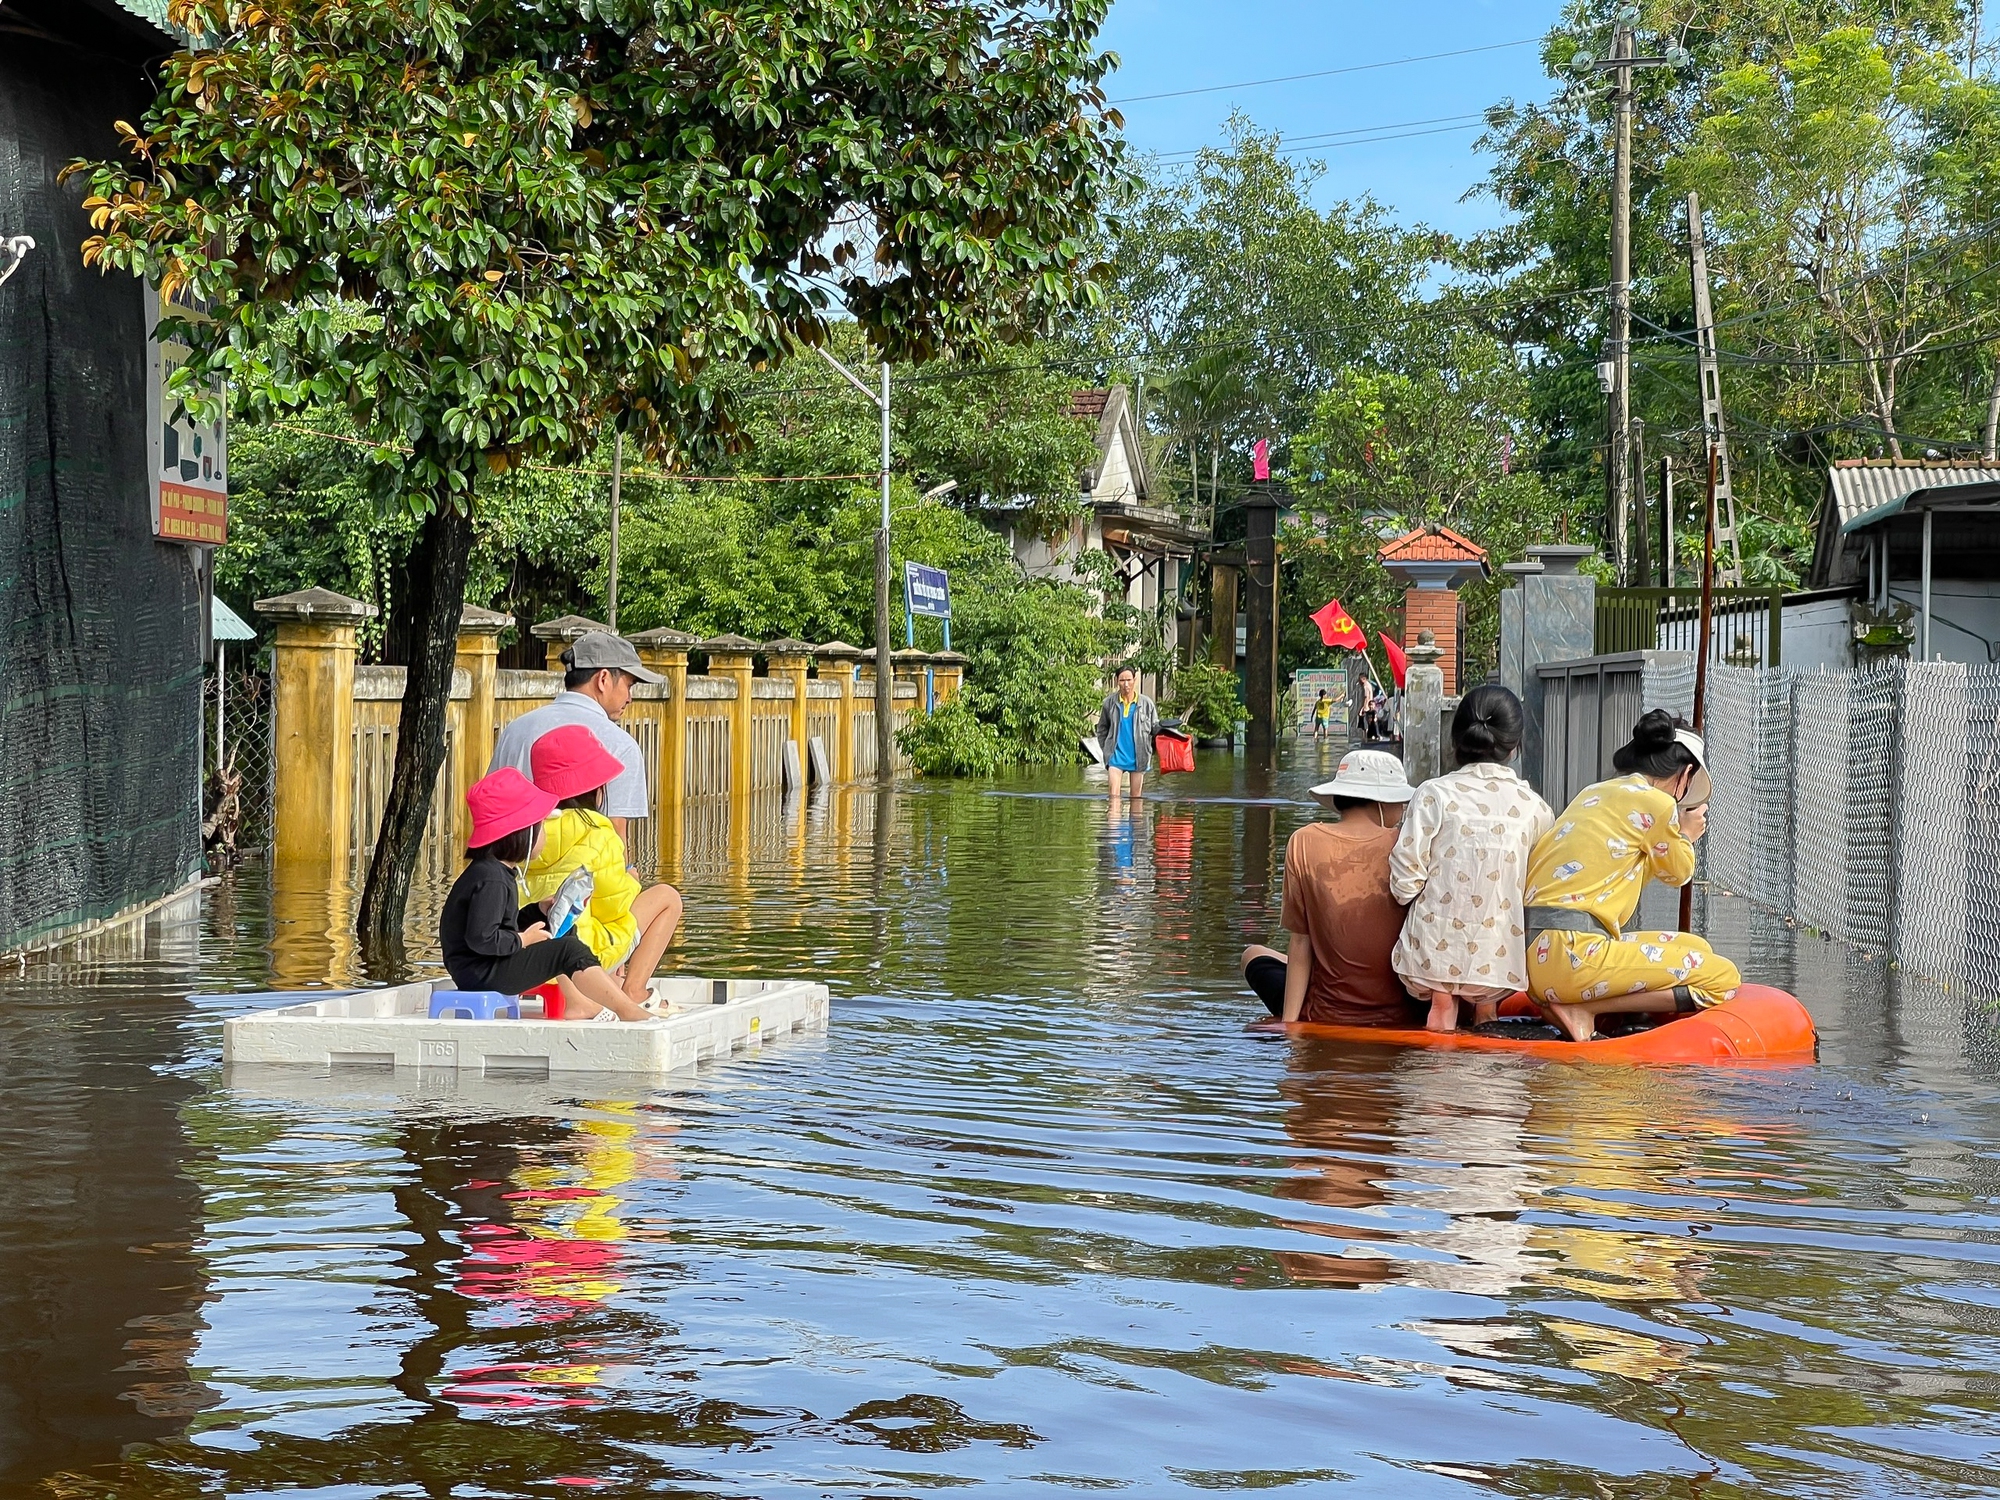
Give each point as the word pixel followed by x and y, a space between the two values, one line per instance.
pixel 485 947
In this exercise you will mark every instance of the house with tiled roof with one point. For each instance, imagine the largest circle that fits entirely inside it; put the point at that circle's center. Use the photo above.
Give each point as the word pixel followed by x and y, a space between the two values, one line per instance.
pixel 1149 542
pixel 1913 545
pixel 104 627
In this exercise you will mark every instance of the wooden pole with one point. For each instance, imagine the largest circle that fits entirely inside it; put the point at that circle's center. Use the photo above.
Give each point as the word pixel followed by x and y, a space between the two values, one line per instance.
pixel 1701 655
pixel 617 475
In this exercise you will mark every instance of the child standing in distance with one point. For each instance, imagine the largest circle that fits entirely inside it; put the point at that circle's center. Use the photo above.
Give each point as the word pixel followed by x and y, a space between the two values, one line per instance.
pixel 485 947
pixel 622 924
pixel 1460 864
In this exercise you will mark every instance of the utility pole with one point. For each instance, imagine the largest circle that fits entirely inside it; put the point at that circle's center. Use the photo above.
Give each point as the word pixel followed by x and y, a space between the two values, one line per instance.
pixel 1618 469
pixel 1730 572
pixel 1620 466
pixel 617 475
pixel 1642 531
pixel 1667 521
pixel 885 643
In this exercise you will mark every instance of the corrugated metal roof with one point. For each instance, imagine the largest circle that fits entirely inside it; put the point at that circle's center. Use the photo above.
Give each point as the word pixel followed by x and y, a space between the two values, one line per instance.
pixel 227 625
pixel 148 10
pixel 1864 486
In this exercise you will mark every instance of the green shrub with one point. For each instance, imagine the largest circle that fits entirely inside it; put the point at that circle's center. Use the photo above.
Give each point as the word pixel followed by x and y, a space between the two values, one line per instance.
pixel 1204 695
pixel 1037 649
pixel 952 740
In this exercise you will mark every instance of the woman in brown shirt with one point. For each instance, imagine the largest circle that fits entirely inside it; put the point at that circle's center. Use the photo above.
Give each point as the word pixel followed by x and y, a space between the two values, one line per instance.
pixel 1342 919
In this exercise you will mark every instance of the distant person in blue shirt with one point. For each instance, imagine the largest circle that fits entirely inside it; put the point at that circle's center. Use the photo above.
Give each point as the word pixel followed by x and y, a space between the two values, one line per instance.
pixel 1125 728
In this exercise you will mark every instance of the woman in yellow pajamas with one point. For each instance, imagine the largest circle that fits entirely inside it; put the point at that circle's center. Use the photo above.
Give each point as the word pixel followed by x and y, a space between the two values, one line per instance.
pixel 1585 877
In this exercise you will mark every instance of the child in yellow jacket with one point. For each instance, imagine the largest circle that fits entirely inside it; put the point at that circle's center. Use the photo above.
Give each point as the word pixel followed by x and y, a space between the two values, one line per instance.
pixel 623 922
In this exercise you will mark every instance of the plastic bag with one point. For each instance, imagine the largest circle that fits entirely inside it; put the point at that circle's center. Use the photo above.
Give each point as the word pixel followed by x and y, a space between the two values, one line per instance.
pixel 570 899
pixel 1175 750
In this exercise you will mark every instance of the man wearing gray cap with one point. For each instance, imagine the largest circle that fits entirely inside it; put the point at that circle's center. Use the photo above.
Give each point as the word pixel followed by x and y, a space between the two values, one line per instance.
pixel 596 687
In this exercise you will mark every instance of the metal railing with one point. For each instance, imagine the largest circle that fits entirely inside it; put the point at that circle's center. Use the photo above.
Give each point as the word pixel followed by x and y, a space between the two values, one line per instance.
pixel 1748 629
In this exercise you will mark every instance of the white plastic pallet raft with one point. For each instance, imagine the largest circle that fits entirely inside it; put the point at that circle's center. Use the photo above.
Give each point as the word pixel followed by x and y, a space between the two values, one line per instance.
pixel 392 1028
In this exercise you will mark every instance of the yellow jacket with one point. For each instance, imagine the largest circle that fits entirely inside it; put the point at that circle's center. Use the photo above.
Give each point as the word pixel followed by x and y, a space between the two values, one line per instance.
pixel 1607 841
pixel 573 839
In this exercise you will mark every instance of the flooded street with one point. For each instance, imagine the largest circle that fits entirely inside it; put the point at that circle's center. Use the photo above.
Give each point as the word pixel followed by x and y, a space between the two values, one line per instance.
pixel 1036 1212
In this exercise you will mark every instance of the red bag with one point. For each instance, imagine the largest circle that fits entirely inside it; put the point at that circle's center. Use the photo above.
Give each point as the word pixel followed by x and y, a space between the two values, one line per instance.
pixel 1176 751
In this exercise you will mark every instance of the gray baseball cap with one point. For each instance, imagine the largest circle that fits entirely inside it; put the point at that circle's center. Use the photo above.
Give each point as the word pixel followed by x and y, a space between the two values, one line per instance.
pixel 595 651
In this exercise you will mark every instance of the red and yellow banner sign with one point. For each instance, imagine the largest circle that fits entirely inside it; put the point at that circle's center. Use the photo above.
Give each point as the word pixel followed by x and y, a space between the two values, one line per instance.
pixel 192 515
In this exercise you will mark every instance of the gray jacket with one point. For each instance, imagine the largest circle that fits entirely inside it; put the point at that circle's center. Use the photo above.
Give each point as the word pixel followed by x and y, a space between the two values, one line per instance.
pixel 1145 723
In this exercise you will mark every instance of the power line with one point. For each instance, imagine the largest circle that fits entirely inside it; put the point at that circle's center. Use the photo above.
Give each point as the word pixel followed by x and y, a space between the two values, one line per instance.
pixel 1258 83
pixel 1327 142
pixel 1429 312
pixel 666 476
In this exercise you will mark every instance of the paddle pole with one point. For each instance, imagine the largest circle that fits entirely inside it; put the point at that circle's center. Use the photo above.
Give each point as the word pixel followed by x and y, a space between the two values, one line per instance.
pixel 1701 654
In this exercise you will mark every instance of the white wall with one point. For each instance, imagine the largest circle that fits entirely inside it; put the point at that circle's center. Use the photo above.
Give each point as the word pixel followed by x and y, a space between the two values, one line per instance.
pixel 1965 615
pixel 1819 635
pixel 1114 484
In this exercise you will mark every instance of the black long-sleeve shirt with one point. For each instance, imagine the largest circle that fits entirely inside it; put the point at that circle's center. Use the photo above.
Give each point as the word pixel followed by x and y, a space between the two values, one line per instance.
pixel 480 924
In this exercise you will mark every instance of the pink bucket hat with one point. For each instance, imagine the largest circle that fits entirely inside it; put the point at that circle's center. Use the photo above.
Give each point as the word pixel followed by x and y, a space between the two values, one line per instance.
pixel 504 803
pixel 570 761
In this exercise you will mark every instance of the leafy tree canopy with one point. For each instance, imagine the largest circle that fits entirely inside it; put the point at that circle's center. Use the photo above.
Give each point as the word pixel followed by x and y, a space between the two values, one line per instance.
pixel 485 229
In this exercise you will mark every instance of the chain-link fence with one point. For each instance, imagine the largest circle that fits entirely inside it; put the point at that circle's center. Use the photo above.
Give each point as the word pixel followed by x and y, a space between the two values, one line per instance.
pixel 1749 727
pixel 1868 805
pixel 236 798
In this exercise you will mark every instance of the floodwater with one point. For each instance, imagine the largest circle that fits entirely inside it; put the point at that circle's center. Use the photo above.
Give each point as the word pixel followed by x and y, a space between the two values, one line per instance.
pixel 1036 1213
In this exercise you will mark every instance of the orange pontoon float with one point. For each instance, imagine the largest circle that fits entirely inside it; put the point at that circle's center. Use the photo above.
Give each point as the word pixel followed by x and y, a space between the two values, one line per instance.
pixel 1758 1024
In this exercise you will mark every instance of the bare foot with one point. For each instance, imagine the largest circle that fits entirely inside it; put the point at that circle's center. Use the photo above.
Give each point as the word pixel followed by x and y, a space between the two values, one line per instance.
pixel 1578 1024
pixel 1444 1012
pixel 1485 1012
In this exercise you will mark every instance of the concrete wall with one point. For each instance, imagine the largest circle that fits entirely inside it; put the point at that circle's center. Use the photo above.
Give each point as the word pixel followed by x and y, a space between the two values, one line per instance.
pixel 101 627
pixel 1965 619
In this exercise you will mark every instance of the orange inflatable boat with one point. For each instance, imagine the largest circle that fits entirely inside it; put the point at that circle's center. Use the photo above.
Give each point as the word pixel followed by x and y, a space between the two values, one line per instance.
pixel 1759 1024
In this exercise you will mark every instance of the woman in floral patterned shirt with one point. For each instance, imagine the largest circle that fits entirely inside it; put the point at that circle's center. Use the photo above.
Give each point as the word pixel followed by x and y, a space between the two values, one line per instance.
pixel 1459 865
pixel 1586 876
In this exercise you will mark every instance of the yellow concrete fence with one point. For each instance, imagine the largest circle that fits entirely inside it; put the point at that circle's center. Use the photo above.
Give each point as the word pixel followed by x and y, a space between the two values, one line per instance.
pixel 713 738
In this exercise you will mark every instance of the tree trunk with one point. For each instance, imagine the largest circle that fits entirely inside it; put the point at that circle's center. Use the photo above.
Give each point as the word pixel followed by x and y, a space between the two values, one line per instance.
pixel 424 621
pixel 1992 418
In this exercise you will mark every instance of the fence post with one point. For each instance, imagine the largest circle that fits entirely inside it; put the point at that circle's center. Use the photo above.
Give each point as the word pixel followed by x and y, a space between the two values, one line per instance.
pixel 790 659
pixel 864 690
pixel 666 651
pixel 837 660
pixel 910 666
pixel 729 656
pixel 557 634
pixel 312 740
pixel 950 666
pixel 1423 711
pixel 479 656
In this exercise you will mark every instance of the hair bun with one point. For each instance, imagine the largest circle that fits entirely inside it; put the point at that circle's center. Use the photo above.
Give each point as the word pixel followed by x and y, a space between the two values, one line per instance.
pixel 1654 731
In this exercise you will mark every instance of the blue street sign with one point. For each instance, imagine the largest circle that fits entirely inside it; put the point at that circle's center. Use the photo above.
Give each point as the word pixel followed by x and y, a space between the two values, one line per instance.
pixel 926 591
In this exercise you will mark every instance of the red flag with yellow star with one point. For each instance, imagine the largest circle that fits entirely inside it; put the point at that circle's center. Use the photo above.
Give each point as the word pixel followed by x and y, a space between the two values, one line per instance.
pixel 1337 627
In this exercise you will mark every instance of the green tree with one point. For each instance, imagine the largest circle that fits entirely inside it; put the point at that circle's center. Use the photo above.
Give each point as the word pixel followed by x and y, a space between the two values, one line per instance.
pixel 1245 301
pixel 1540 278
pixel 302 513
pixel 1812 170
pixel 1389 451
pixel 485 230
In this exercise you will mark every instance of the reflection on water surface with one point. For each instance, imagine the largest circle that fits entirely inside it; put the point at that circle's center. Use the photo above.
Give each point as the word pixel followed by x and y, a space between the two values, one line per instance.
pixel 1037 1213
